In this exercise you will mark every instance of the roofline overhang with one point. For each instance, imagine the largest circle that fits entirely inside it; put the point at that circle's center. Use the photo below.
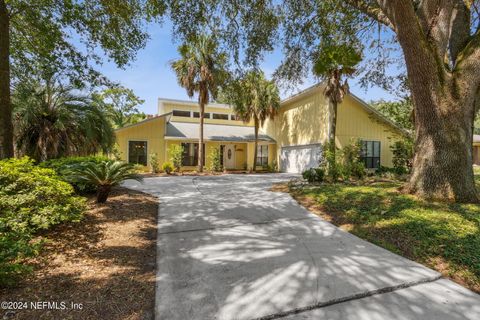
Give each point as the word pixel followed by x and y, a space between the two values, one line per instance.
pixel 218 140
pixel 168 115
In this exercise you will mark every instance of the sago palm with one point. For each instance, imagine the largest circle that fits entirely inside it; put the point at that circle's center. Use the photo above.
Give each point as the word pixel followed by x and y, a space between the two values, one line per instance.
pixel 104 175
pixel 254 98
pixel 332 64
pixel 54 120
pixel 201 70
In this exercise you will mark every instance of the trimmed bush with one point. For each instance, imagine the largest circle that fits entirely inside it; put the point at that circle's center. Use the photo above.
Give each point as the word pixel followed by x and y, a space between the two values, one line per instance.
pixel 215 160
pixel 167 167
pixel 154 163
pixel 64 166
pixel 314 175
pixel 176 154
pixel 32 198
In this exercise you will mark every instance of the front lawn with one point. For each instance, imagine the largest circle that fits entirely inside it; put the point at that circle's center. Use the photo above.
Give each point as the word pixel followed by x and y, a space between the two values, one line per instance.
pixel 443 236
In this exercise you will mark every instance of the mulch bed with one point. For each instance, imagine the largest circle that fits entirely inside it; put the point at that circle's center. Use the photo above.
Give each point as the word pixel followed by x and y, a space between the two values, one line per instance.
pixel 104 264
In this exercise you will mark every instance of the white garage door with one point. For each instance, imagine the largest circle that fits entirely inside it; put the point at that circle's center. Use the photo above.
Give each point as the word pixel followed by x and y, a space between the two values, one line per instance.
pixel 296 159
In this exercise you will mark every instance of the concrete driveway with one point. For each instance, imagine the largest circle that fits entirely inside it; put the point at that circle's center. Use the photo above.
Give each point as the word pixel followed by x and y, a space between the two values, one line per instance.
pixel 228 248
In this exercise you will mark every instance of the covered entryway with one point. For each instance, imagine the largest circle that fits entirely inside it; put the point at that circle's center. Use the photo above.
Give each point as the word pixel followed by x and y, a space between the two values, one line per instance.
pixel 296 159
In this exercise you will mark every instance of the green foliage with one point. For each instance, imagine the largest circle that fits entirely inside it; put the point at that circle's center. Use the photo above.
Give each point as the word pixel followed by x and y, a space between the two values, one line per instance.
pixel 167 167
pixel 382 215
pixel 271 168
pixel 352 165
pixel 154 163
pixel 41 38
pixel 402 156
pixel 104 175
pixel 341 57
pixel 345 164
pixel 53 120
pixel 31 199
pixel 400 112
pixel 176 154
pixel 121 105
pixel 253 97
pixel 215 160
pixel 201 69
pixel 313 175
pixel 64 166
pixel 330 163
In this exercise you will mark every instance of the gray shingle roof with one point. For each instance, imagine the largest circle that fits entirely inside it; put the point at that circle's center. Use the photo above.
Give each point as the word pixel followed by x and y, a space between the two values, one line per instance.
pixel 213 132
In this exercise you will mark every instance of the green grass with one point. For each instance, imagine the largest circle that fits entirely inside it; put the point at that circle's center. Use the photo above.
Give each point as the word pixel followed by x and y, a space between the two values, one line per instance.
pixel 444 236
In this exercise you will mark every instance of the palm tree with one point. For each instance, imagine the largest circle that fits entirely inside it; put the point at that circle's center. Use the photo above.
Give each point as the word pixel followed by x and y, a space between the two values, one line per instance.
pixel 254 98
pixel 333 63
pixel 200 69
pixel 104 175
pixel 54 120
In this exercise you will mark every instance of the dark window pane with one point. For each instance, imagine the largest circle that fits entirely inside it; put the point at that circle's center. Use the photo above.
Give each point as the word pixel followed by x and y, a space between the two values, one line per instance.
pixel 181 113
pixel 190 154
pixel 137 152
pixel 220 116
pixel 370 154
pixel 376 148
pixel 206 115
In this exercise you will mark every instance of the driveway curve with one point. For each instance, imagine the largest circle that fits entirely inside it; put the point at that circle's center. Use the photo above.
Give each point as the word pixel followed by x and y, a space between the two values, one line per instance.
pixel 229 248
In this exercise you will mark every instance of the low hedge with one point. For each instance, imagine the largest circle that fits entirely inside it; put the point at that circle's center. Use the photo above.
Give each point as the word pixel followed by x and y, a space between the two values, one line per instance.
pixel 32 198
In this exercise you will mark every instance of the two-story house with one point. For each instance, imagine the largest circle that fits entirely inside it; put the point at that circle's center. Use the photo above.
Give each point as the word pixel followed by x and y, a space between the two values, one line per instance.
pixel 292 141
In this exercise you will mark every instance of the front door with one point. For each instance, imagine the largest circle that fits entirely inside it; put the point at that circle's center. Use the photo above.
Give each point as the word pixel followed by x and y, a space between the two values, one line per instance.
pixel 229 156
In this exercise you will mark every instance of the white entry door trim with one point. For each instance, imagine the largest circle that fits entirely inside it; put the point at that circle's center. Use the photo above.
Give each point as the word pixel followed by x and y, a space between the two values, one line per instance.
pixel 229 156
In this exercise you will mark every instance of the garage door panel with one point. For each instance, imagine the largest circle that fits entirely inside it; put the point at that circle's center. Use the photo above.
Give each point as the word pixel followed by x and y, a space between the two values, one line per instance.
pixel 295 159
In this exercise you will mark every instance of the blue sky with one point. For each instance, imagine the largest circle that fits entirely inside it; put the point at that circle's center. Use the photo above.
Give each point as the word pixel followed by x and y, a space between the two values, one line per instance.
pixel 151 77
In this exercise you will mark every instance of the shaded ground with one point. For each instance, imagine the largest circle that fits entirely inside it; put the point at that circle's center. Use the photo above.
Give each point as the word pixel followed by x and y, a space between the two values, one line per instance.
pixel 230 249
pixel 106 263
pixel 442 236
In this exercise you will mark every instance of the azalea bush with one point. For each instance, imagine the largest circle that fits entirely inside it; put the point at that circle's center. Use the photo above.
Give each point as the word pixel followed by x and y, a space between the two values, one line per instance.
pixel 32 198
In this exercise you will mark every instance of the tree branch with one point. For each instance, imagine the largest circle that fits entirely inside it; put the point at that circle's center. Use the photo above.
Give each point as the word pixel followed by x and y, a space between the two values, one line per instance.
pixel 371 11
pixel 468 65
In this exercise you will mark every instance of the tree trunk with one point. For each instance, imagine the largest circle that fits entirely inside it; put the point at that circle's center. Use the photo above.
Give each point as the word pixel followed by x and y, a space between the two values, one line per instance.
pixel 333 128
pixel 102 193
pixel 6 126
pixel 443 162
pixel 255 148
pixel 444 109
pixel 200 145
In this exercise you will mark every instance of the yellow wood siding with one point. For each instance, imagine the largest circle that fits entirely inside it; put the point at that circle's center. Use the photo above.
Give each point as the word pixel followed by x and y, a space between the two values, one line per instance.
pixel 304 120
pixel 354 122
pixel 151 131
pixel 169 107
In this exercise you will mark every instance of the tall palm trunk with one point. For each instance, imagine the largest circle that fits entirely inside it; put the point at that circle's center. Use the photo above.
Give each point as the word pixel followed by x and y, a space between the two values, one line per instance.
pixel 333 128
pixel 6 127
pixel 255 150
pixel 200 145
